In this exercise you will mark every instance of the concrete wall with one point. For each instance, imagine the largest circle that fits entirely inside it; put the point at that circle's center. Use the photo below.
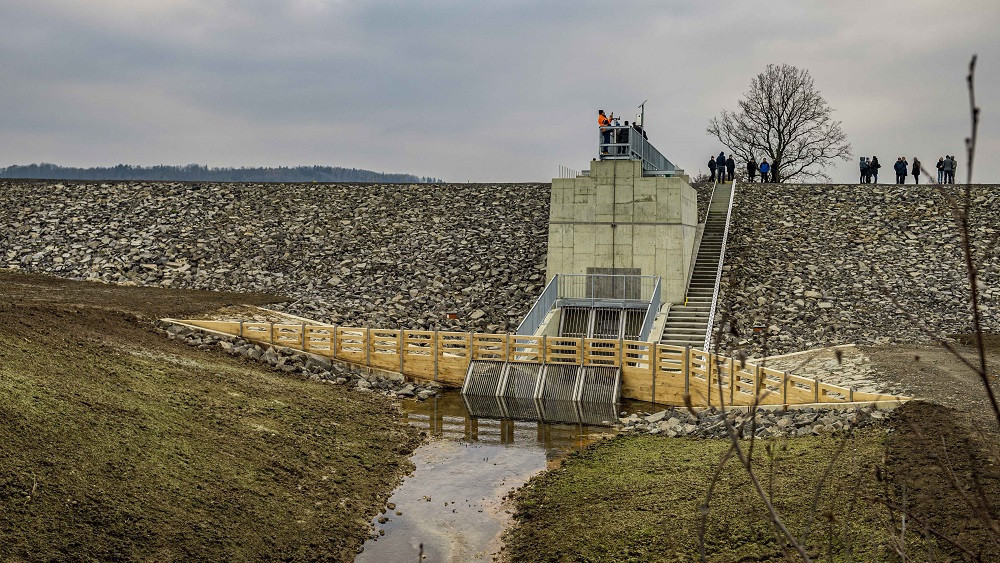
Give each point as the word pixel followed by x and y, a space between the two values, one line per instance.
pixel 616 218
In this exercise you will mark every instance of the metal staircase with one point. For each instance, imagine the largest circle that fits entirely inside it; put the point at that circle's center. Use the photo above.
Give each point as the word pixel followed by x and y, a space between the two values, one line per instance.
pixel 687 324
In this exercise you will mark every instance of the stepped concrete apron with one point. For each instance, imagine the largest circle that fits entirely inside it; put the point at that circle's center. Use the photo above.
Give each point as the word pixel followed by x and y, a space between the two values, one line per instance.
pixel 686 323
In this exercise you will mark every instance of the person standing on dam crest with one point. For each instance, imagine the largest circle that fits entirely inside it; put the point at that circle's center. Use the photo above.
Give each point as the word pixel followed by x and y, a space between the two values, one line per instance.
pixel 603 122
pixel 765 171
pixel 751 169
pixel 712 166
pixel 730 169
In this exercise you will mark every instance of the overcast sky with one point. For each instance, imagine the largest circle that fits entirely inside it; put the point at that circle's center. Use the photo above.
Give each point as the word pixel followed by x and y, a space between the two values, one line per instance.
pixel 481 91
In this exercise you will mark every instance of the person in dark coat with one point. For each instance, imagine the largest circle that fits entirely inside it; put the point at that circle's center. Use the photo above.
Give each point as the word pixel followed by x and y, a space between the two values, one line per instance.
pixel 730 168
pixel 720 165
pixel 765 171
pixel 916 170
pixel 900 168
pixel 711 166
pixel 873 167
pixel 940 169
pixel 863 170
pixel 751 169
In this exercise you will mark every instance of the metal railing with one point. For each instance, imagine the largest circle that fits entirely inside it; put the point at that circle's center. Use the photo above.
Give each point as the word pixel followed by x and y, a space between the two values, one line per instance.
pixel 541 308
pixel 718 272
pixel 605 290
pixel 567 172
pixel 626 143
pixel 651 312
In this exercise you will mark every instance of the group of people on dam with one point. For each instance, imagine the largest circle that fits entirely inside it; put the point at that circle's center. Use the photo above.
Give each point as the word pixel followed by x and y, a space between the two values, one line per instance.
pixel 723 168
pixel 946 167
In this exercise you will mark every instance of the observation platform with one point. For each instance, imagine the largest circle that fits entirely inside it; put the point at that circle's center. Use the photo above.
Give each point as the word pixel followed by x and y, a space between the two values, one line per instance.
pixel 627 143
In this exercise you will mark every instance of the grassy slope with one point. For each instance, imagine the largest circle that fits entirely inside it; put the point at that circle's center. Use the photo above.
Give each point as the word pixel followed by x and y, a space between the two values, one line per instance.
pixel 637 498
pixel 118 443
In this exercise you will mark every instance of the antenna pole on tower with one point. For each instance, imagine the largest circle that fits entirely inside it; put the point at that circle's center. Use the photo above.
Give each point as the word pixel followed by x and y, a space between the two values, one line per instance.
pixel 642 114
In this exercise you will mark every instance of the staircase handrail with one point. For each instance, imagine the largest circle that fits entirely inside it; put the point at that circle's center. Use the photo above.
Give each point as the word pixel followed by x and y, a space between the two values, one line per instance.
pixel 718 272
pixel 542 306
pixel 651 312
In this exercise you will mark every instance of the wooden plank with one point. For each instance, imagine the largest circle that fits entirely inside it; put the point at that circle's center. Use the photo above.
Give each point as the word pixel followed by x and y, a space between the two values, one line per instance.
pixel 525 349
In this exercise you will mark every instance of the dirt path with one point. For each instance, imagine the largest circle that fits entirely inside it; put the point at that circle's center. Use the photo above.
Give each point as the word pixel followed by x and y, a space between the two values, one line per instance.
pixel 933 373
pixel 119 444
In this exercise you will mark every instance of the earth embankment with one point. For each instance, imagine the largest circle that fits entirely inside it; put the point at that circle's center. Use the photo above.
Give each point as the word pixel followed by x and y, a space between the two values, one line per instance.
pixel 119 444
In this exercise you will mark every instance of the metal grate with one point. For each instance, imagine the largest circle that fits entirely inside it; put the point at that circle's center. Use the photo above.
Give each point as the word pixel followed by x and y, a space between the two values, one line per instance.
pixel 574 322
pixel 483 378
pixel 601 384
pixel 633 324
pixel 522 380
pixel 560 382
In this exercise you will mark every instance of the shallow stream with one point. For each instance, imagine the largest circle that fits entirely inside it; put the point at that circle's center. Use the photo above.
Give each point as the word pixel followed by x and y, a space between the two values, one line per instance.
pixel 453 503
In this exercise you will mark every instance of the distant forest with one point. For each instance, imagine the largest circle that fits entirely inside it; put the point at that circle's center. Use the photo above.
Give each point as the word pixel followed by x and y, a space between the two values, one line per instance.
pixel 200 173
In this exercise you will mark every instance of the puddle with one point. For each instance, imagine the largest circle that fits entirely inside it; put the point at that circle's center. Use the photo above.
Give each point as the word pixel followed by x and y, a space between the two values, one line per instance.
pixel 453 502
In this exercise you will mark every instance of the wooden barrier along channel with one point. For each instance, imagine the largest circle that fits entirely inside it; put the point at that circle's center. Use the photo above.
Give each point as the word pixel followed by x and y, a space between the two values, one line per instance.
pixel 650 371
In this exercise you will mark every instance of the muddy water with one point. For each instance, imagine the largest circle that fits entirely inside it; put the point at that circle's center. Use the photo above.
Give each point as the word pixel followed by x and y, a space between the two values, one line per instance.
pixel 453 503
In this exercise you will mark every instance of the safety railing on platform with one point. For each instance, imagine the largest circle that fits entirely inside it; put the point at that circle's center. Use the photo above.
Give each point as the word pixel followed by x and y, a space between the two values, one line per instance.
pixel 626 143
pixel 605 290
pixel 650 371
pixel 536 316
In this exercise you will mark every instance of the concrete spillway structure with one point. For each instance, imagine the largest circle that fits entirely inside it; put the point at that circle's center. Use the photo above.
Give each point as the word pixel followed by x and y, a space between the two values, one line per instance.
pixel 621 242
pixel 617 220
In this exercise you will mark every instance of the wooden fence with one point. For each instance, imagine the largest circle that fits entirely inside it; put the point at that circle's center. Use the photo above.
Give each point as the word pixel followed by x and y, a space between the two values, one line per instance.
pixel 650 371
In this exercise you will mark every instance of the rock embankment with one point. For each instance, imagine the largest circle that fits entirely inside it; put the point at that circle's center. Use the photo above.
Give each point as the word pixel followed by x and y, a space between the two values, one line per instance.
pixel 820 265
pixel 677 422
pixel 307 366
pixel 393 256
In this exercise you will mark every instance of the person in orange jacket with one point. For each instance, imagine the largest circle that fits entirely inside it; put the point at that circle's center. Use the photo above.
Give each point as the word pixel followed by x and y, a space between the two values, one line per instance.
pixel 603 122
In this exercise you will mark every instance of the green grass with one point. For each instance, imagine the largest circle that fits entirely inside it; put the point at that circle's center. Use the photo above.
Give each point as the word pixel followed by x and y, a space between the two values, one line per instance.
pixel 637 499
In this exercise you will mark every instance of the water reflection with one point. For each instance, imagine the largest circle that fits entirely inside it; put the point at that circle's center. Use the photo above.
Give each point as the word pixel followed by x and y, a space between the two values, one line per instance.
pixel 479 450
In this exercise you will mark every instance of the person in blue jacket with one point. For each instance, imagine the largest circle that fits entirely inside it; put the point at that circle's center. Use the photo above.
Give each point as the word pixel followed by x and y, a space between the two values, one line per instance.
pixel 765 171
pixel 720 165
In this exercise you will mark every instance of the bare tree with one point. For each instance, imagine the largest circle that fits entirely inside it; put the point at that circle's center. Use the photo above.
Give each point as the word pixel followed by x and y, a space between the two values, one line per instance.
pixel 785 119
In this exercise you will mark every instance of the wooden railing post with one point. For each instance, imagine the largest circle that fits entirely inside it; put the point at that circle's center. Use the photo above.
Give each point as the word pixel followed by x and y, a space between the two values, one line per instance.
pixel 708 378
pixel 506 347
pixel 333 341
pixel 544 354
pixel 401 350
pixel 303 335
pixel 784 388
pixel 656 367
pixel 241 329
pixel 732 380
pixel 579 352
pixel 815 390
pixel 368 346
pixel 686 369
pixel 271 335
pixel 437 350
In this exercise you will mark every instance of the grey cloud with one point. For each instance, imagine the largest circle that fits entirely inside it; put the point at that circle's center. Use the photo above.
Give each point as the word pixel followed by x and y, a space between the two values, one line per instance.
pixel 479 91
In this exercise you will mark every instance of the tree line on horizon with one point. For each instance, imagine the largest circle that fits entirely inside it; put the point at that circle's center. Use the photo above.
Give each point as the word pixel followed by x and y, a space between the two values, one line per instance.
pixel 202 173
